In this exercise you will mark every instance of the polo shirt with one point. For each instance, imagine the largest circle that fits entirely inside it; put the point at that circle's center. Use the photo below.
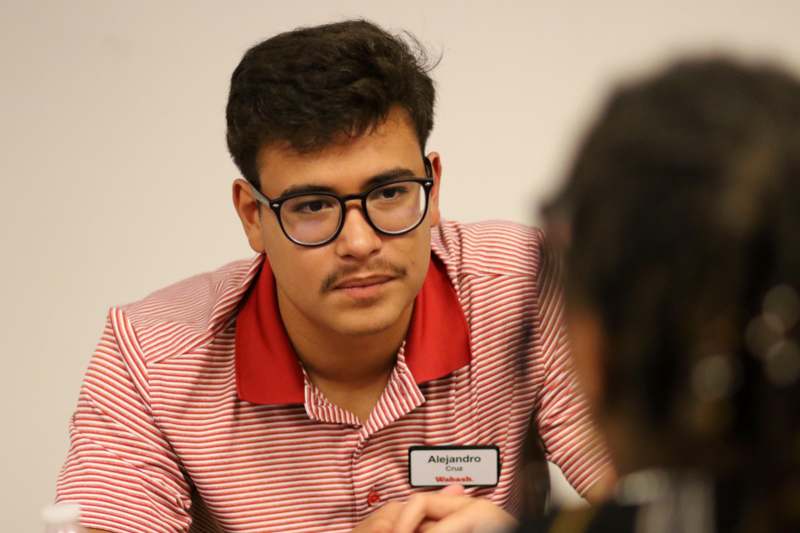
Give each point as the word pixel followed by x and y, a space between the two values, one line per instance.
pixel 195 413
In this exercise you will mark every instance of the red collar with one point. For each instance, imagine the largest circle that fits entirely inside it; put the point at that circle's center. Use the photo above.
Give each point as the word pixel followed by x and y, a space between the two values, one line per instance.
pixel 267 369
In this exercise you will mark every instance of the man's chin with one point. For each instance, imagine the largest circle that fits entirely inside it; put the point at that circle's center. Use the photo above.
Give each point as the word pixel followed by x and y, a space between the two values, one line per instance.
pixel 361 329
pixel 364 322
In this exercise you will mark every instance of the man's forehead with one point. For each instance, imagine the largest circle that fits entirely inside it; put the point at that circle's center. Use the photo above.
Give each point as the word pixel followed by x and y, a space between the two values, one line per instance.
pixel 391 146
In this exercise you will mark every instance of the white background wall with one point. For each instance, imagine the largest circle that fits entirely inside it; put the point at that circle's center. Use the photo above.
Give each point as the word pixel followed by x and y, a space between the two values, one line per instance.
pixel 114 176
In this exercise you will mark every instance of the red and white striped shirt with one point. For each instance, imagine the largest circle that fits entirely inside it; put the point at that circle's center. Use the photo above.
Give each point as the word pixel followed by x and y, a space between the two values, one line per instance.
pixel 195 411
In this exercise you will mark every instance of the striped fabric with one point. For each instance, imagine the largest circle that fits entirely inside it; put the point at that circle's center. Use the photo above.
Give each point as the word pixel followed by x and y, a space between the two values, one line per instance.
pixel 162 442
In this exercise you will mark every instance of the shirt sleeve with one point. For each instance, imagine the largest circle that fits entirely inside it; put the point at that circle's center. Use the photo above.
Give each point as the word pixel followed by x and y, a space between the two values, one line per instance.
pixel 569 436
pixel 120 467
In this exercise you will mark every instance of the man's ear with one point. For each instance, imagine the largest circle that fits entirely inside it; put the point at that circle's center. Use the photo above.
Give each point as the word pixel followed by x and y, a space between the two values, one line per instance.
pixel 587 341
pixel 433 207
pixel 249 211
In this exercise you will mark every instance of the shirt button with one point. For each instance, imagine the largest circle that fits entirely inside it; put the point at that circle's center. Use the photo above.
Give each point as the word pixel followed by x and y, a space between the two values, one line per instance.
pixel 373 498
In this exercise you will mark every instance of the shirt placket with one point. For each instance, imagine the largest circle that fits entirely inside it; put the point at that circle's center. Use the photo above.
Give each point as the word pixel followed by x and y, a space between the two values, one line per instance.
pixel 400 397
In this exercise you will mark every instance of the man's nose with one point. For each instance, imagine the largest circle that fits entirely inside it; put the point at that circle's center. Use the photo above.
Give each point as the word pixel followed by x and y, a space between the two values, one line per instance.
pixel 357 239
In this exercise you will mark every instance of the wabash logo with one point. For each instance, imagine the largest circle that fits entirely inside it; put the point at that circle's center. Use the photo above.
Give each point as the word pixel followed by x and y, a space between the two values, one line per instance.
pixel 453 479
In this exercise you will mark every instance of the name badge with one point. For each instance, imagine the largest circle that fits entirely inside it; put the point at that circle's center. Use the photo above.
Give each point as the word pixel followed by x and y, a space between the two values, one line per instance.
pixel 439 466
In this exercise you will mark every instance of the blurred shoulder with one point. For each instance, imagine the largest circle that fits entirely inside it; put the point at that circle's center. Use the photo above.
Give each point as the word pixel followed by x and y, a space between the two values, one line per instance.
pixel 188 313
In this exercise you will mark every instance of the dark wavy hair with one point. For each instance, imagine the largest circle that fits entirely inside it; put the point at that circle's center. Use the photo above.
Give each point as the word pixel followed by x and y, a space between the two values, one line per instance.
pixel 310 87
pixel 684 207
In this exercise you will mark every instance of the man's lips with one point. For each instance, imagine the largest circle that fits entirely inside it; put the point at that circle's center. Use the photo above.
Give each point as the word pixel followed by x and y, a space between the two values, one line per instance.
pixel 353 283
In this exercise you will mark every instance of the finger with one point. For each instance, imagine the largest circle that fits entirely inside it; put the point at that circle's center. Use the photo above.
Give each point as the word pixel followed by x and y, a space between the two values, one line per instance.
pixel 453 490
pixel 390 511
pixel 431 505
pixel 426 525
pixel 458 522
pixel 477 516
pixel 450 490
pixel 381 520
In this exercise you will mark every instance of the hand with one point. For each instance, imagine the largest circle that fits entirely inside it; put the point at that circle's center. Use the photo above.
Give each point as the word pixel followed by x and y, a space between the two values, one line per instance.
pixel 602 489
pixel 383 520
pixel 451 513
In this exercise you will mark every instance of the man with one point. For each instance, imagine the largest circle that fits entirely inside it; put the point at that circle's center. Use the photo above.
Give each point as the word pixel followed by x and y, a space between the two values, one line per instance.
pixel 287 392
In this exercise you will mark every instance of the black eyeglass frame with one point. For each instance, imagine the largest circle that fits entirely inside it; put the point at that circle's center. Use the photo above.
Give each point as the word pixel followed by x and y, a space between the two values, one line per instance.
pixel 275 205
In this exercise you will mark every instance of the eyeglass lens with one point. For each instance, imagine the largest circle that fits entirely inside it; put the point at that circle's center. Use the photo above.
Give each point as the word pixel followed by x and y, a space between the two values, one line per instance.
pixel 393 208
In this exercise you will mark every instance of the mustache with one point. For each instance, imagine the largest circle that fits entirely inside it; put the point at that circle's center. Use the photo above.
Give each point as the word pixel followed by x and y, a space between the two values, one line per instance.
pixel 376 267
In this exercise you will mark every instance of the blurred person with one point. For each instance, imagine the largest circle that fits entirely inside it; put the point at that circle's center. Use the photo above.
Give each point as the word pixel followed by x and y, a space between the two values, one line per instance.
pixel 683 284
pixel 289 391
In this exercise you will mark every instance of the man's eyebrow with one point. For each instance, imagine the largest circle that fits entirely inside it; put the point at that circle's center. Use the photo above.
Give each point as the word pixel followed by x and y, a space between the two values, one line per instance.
pixel 377 179
pixel 306 188
pixel 388 175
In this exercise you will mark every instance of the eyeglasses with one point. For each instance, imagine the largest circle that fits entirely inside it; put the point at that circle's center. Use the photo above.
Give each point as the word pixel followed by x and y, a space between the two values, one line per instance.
pixel 315 219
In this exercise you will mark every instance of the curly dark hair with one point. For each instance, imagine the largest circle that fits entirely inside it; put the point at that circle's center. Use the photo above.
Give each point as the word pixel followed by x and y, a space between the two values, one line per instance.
pixel 684 207
pixel 310 86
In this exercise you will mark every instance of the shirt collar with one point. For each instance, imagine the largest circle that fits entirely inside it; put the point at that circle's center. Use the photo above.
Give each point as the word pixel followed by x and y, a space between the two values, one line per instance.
pixel 269 372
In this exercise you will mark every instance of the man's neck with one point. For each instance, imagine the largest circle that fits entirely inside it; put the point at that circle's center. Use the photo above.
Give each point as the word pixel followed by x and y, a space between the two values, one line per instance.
pixel 350 370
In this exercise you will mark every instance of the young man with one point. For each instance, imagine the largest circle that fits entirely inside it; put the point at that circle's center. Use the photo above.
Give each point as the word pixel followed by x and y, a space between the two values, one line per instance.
pixel 286 392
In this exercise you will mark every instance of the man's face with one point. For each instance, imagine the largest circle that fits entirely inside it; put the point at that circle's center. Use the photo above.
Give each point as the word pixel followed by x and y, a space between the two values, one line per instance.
pixel 361 283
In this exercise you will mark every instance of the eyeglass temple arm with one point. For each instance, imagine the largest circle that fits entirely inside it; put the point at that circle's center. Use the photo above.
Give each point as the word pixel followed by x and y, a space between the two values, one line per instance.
pixel 428 166
pixel 261 198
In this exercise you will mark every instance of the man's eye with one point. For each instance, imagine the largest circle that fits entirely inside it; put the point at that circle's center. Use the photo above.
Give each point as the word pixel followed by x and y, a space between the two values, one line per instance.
pixel 312 206
pixel 390 193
